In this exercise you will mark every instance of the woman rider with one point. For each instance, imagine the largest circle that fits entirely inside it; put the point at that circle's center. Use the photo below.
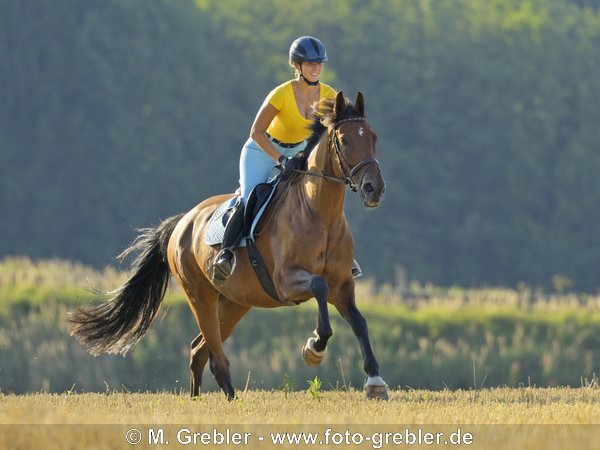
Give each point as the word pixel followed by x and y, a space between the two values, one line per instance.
pixel 278 133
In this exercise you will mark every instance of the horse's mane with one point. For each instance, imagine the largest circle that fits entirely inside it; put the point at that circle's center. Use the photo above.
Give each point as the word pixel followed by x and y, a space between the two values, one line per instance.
pixel 324 117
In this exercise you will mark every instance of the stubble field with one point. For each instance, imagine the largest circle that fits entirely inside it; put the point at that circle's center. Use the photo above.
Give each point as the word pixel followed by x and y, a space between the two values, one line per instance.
pixel 505 418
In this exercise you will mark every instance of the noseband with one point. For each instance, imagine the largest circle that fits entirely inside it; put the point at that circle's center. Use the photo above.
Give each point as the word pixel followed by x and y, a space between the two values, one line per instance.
pixel 365 163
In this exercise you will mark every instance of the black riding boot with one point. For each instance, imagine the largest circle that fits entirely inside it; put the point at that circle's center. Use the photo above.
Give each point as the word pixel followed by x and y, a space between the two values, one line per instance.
pixel 225 259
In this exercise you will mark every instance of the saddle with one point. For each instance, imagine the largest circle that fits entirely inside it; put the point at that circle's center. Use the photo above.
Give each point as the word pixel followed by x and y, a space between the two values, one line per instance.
pixel 256 205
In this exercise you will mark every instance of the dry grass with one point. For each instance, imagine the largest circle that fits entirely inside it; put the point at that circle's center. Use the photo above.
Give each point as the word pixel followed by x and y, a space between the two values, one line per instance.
pixel 486 406
pixel 526 418
pixel 57 273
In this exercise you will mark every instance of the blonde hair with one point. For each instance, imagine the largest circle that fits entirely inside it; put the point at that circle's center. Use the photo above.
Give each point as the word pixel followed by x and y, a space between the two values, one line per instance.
pixel 297 72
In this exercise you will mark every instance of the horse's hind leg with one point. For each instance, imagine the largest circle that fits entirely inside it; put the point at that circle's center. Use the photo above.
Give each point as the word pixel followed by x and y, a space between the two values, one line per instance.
pixel 197 363
pixel 346 305
pixel 208 319
pixel 230 314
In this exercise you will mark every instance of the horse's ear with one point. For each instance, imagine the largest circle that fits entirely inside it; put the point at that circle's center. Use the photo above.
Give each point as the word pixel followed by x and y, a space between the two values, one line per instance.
pixel 360 104
pixel 339 102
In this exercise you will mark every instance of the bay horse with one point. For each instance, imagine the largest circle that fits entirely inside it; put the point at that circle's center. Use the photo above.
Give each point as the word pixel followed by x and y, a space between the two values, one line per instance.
pixel 305 242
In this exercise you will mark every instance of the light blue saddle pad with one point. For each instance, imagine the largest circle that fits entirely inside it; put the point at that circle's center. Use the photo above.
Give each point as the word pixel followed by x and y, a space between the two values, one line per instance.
pixel 216 225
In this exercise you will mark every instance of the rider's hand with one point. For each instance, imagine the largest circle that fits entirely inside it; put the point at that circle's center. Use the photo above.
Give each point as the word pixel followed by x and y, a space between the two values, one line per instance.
pixel 296 162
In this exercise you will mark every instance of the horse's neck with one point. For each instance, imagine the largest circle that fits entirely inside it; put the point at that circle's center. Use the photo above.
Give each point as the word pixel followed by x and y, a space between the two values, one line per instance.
pixel 324 196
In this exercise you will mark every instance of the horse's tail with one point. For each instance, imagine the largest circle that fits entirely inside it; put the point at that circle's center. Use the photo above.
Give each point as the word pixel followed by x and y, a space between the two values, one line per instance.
pixel 117 324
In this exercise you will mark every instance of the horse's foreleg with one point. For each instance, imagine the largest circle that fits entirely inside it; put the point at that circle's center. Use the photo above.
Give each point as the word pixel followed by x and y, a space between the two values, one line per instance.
pixel 320 290
pixel 346 305
pixel 301 282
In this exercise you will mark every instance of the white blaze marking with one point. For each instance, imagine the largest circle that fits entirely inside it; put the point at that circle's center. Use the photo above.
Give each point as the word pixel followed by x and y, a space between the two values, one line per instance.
pixel 360 131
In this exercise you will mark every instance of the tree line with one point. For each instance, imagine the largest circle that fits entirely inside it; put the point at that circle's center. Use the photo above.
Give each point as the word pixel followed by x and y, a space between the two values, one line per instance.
pixel 116 114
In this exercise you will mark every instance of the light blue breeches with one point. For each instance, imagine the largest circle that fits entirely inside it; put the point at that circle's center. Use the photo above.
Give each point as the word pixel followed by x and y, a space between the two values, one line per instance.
pixel 256 165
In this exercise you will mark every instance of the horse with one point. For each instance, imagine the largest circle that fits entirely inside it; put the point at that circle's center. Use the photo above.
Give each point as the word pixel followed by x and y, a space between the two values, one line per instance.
pixel 305 242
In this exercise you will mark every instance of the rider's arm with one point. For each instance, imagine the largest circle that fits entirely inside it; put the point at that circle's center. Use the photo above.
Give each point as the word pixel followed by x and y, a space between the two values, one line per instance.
pixel 263 119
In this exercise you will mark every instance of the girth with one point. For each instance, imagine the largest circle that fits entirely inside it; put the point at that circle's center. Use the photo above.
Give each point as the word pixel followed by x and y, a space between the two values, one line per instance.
pixel 257 199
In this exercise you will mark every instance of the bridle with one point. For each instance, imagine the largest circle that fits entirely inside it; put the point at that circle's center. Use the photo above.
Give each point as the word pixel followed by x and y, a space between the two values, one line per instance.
pixel 349 171
pixel 365 163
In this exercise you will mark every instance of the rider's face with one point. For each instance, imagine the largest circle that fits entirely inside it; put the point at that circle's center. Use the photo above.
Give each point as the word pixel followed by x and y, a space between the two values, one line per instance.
pixel 312 70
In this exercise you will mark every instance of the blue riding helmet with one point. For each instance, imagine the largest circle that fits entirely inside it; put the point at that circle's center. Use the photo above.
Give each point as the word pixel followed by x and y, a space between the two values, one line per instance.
pixel 307 49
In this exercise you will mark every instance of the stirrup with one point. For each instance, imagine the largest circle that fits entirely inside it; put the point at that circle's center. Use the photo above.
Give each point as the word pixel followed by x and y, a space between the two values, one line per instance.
pixel 356 270
pixel 223 265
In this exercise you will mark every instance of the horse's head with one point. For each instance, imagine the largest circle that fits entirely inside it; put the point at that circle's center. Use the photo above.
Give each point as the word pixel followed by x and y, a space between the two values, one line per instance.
pixel 354 142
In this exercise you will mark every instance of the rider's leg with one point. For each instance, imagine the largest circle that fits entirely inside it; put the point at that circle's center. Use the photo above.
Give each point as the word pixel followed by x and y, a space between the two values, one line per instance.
pixel 255 167
pixel 225 259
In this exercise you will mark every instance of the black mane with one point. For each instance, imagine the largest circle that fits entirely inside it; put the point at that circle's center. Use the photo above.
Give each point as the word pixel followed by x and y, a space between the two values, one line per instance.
pixel 325 117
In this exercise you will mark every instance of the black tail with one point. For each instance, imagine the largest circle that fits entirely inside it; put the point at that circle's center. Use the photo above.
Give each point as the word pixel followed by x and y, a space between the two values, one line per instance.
pixel 116 325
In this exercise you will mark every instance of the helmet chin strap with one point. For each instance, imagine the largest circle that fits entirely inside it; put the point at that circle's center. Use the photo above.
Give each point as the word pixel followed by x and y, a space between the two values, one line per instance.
pixel 310 83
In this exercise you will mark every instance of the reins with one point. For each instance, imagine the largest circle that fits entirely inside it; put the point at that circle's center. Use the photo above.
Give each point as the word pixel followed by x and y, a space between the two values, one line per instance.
pixel 332 142
pixel 346 177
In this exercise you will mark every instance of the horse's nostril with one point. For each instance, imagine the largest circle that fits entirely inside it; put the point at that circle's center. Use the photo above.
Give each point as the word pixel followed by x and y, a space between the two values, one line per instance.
pixel 368 188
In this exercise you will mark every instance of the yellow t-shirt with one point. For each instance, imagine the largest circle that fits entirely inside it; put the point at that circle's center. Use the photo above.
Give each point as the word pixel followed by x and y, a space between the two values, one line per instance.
pixel 289 125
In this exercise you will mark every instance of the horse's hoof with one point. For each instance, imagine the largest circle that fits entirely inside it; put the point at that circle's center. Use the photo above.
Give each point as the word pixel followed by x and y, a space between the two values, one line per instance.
pixel 377 392
pixel 311 356
pixel 376 388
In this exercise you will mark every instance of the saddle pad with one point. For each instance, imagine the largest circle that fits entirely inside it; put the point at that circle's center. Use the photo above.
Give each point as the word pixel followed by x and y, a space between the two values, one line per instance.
pixel 216 224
